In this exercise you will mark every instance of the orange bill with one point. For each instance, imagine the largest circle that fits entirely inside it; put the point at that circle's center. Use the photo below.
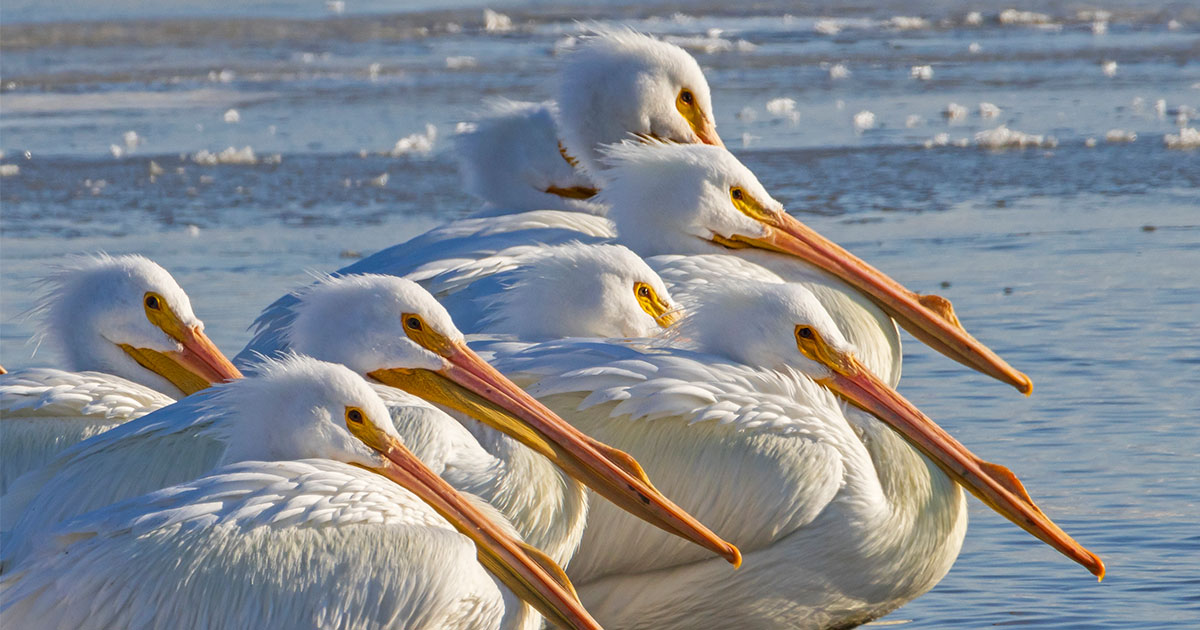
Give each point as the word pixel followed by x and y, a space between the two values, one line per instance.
pixel 469 385
pixel 929 318
pixel 529 573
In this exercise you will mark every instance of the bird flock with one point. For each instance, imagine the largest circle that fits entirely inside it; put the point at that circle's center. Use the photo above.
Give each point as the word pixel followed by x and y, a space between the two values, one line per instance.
pixel 633 392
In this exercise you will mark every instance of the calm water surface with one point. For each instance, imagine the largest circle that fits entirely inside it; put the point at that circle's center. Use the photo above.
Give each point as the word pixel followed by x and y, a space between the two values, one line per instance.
pixel 1080 264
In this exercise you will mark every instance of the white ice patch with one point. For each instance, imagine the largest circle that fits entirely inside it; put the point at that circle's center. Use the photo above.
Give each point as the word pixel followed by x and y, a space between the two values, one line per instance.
pixel 923 73
pixel 863 121
pixel 954 112
pixel 1187 138
pixel 1119 135
pixel 417 143
pixel 1004 138
pixel 496 22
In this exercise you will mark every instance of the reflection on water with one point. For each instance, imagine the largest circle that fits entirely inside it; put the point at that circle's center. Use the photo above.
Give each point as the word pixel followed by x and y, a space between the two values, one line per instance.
pixel 1075 262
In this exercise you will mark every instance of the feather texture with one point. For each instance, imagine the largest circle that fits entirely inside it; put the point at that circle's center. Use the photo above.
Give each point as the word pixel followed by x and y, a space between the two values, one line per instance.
pixel 298 544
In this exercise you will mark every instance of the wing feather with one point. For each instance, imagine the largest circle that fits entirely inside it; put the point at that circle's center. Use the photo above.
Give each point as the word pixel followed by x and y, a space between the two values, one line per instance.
pixel 354 551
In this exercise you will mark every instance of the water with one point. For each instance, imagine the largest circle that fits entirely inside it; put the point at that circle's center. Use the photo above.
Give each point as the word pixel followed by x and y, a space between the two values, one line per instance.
pixel 1078 264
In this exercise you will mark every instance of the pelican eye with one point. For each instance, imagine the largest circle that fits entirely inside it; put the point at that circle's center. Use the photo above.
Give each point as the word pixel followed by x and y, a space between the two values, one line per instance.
pixel 153 303
pixel 686 97
pixel 354 415
pixel 643 290
pixel 804 332
pixel 414 323
pixel 738 194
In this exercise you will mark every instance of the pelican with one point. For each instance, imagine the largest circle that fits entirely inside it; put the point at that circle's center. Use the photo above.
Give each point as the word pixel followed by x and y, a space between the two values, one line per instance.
pixel 388 329
pixel 363 535
pixel 760 420
pixel 546 505
pixel 130 344
pixel 530 292
pixel 529 156
pixel 694 211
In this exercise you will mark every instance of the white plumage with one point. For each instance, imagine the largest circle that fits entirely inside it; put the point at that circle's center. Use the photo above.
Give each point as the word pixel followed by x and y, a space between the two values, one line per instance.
pixel 841 519
pixel 46 410
pixel 95 315
pixel 545 504
pixel 531 292
pixel 275 543
pixel 618 84
pixel 260 545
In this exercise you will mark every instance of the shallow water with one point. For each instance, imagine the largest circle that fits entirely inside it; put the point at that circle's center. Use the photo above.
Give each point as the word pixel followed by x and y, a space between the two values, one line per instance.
pixel 1080 265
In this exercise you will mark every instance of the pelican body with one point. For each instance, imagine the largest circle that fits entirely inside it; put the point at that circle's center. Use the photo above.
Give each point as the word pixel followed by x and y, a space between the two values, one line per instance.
pixel 756 414
pixel 395 333
pixel 364 537
pixel 697 200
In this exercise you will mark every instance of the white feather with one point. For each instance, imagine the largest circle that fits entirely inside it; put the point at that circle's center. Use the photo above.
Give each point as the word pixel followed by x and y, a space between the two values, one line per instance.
pixel 43 411
pixel 296 544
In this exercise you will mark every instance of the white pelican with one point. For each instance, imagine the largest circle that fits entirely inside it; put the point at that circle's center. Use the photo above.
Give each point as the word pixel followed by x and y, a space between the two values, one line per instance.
pixel 699 201
pixel 275 543
pixel 545 504
pixel 527 156
pixel 395 333
pixel 130 344
pixel 531 292
pixel 844 512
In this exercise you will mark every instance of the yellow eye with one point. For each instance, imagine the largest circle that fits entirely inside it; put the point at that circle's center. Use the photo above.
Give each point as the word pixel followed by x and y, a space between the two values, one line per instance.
pixel 354 415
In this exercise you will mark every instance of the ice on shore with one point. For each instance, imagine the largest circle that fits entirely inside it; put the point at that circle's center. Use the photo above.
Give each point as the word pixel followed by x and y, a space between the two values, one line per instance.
pixel 1004 138
pixel 827 27
pixel 1119 135
pixel 8 170
pixel 230 155
pixel 954 111
pixel 923 73
pixel 783 108
pixel 1109 68
pixel 988 110
pixel 494 22
pixel 417 143
pixel 460 62
pixel 1187 138
pixel 838 71
pixel 908 23
pixel 232 116
pixel 863 121
pixel 1015 17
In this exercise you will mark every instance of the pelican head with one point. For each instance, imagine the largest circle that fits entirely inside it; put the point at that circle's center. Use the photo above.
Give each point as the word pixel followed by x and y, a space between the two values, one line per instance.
pixel 125 315
pixel 299 408
pixel 784 326
pixel 578 290
pixel 395 332
pixel 621 82
pixel 693 199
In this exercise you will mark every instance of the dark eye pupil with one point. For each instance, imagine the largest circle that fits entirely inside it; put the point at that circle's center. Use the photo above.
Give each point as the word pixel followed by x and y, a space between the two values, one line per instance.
pixel 687 97
pixel 355 416
pixel 806 333
pixel 644 292
pixel 152 302
pixel 737 193
pixel 414 323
